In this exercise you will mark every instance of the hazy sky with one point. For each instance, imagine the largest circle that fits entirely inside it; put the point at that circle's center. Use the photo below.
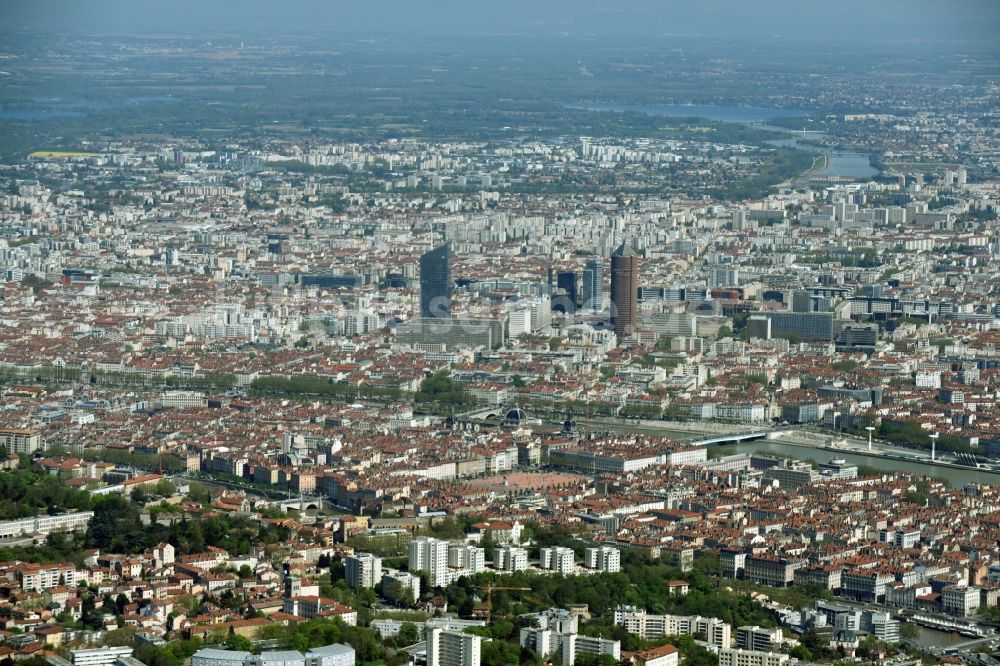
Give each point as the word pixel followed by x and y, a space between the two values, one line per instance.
pixel 892 20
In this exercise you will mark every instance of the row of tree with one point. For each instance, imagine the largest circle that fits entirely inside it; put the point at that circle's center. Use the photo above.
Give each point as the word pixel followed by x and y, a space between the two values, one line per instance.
pixel 325 387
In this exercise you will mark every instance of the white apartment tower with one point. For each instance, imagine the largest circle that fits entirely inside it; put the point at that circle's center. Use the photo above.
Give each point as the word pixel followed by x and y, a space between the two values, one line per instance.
pixel 558 558
pixel 603 558
pixel 452 648
pixel 431 556
pixel 510 559
pixel 363 570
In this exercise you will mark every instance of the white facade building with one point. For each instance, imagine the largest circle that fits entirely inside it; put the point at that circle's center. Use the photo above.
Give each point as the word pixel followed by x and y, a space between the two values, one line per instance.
pixel 510 559
pixel 329 655
pixel 396 584
pixel 604 558
pixel 466 559
pixel 41 525
pixel 431 556
pixel 104 656
pixel 216 657
pixel 558 558
pixel 752 658
pixel 452 648
pixel 650 627
pixel 928 379
pixel 363 570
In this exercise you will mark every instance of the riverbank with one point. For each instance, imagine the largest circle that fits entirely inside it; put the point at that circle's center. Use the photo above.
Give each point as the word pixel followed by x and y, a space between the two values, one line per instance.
pixel 954 475
pixel 823 163
pixel 859 449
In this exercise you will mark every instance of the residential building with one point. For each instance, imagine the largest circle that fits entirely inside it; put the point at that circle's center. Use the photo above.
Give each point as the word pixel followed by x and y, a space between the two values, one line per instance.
pixel 430 556
pixel 603 558
pixel 960 600
pixel 773 571
pixel 363 570
pixel 664 655
pixel 558 558
pixel 510 559
pixel 465 560
pixel 555 637
pixel 758 638
pixel 102 656
pixel 400 585
pixel 650 627
pixel 865 584
pixel 446 647
pixel 22 440
pixel 733 657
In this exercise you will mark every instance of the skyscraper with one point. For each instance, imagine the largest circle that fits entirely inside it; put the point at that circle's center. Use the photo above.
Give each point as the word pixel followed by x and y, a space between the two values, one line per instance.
pixel 593 285
pixel 624 289
pixel 435 282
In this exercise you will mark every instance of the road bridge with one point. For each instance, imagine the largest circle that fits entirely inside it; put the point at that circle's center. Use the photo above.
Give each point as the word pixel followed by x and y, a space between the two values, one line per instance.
pixel 734 438
pixel 304 503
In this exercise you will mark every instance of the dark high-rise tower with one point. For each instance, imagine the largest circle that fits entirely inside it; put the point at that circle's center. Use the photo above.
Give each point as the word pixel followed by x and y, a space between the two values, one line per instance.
pixel 624 289
pixel 435 282
pixel 566 280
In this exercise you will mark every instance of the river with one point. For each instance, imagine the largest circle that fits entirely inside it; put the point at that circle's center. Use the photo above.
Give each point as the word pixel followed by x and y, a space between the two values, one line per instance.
pixel 955 477
pixel 928 638
pixel 838 163
pixel 42 114
pixel 727 114
pixel 49 109
pixel 846 164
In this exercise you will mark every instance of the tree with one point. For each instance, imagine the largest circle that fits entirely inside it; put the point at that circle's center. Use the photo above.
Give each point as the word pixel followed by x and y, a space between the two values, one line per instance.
pixel 113 518
pixel 912 631
pixel 195 537
pixel 812 641
pixel 408 634
pixel 165 488
pixel 663 343
pixel 90 616
pixel 440 387
pixel 801 653
pixel 237 642
pixel 139 496
pixel 198 493
pixel 500 653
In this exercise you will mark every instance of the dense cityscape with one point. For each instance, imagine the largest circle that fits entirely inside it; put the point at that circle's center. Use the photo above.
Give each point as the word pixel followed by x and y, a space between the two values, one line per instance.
pixel 662 355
